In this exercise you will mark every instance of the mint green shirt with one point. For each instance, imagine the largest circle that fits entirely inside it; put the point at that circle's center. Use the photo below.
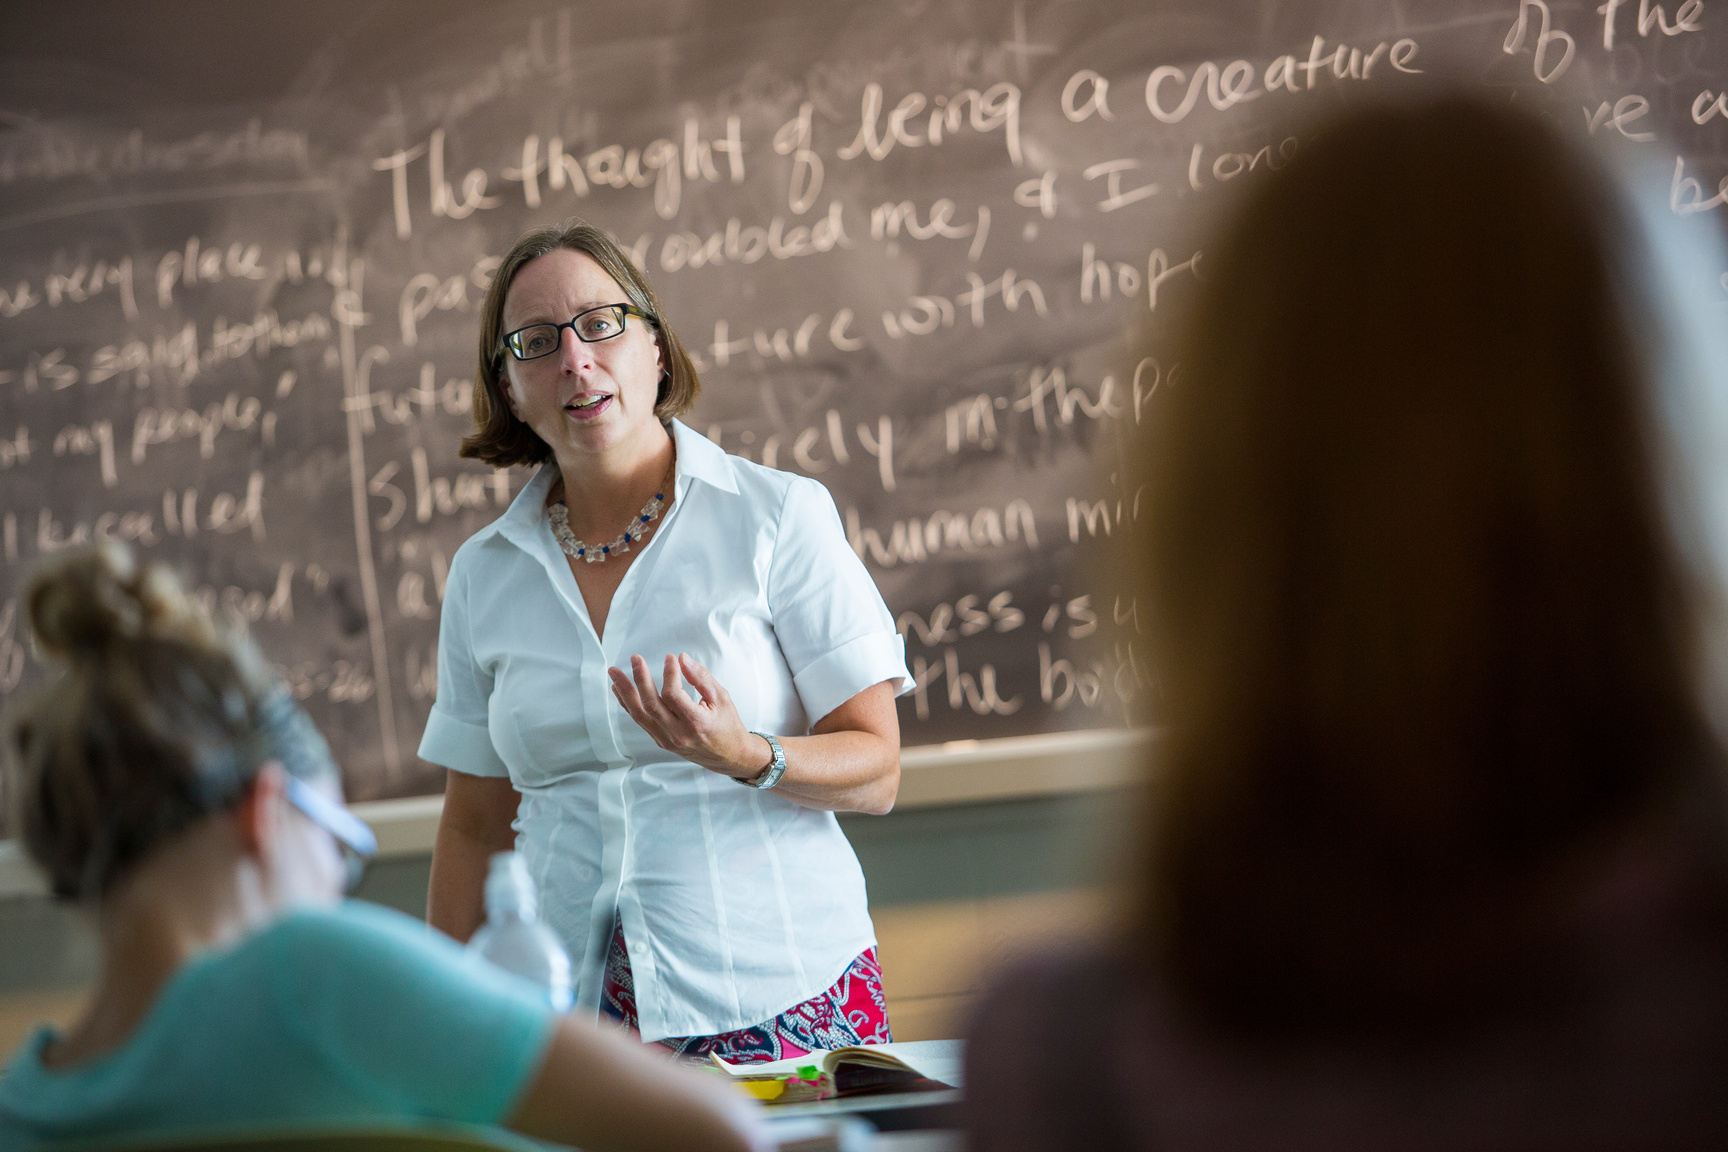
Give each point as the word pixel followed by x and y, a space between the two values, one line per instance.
pixel 348 1015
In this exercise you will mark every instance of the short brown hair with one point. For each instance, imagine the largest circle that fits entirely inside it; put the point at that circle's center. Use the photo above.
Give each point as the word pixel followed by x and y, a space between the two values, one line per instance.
pixel 499 438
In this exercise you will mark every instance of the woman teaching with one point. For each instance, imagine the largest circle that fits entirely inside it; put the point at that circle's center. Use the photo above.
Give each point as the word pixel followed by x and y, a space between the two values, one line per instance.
pixel 629 661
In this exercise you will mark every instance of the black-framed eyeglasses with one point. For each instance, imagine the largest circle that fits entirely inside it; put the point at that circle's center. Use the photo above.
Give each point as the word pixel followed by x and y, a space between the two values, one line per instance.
pixel 591 327
pixel 353 838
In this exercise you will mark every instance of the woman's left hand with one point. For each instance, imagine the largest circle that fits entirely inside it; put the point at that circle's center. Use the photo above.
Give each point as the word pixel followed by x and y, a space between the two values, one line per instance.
pixel 706 731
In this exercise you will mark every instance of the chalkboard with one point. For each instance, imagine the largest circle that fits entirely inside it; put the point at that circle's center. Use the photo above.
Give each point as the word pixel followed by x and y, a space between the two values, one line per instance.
pixel 913 245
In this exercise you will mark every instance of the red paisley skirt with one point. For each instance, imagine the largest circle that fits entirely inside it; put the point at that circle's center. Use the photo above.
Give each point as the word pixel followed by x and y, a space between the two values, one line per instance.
pixel 853 1011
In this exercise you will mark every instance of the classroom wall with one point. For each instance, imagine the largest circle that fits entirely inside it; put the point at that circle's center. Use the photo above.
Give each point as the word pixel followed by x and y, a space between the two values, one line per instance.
pixel 955 890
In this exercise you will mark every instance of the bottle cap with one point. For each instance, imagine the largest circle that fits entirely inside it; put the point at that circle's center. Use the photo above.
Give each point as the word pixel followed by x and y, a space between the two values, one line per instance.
pixel 509 888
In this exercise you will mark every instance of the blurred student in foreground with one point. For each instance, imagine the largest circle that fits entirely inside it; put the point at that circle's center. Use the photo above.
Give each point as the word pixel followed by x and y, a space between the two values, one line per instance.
pixel 167 781
pixel 1438 850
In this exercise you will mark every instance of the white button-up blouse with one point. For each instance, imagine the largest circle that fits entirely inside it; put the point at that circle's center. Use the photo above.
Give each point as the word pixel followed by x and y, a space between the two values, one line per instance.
pixel 735 904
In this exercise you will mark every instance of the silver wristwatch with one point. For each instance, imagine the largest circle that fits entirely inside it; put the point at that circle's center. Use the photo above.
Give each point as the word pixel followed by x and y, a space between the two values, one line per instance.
pixel 770 775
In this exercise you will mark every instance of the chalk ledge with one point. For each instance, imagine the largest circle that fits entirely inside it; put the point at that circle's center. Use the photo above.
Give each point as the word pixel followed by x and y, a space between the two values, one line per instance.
pixel 958 772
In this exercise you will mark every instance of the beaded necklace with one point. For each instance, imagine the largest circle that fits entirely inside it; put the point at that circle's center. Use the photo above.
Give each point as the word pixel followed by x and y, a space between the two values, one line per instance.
pixel 559 515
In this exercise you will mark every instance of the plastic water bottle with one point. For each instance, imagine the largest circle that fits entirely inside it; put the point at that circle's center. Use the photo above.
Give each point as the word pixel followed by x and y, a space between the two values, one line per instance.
pixel 513 936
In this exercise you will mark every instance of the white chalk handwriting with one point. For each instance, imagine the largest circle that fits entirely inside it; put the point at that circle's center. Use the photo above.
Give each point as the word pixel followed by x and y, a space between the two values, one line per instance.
pixel 1619 116
pixel 12 652
pixel 1651 18
pixel 998 106
pixel 1173 92
pixel 1686 193
pixel 967 616
pixel 1226 166
pixel 739 243
pixel 15 451
pixel 915 540
pixel 1546 39
pixel 80 283
pixel 341 681
pixel 455 397
pixel 427 292
pixel 440 495
pixel 49 154
pixel 661 165
pixel 1097 276
pixel 241 607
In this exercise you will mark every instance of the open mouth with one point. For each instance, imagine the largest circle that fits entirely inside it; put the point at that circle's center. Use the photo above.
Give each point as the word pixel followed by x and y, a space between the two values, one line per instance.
pixel 589 404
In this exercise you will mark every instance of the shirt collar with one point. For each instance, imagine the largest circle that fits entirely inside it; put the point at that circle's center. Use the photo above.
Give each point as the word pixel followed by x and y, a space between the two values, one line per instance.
pixel 699 458
pixel 529 507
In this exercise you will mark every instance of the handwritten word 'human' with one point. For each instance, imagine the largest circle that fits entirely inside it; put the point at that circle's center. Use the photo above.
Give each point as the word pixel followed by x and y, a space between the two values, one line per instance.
pixel 913 541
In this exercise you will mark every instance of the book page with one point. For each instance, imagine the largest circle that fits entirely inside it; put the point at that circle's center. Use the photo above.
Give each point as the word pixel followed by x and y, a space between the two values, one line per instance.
pixel 933 1059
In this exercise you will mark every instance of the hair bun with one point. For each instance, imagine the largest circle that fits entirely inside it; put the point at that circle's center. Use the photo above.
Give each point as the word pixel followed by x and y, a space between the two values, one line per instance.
pixel 92 600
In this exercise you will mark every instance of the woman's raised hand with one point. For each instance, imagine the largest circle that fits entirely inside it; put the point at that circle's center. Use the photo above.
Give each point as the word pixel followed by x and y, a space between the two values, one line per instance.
pixel 706 731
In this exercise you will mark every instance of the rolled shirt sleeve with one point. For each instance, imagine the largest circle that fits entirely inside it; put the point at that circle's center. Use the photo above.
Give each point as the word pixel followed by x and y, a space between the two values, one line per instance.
pixel 457 735
pixel 835 631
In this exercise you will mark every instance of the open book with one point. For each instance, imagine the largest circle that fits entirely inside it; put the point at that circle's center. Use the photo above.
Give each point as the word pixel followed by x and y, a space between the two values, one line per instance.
pixel 913 1066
